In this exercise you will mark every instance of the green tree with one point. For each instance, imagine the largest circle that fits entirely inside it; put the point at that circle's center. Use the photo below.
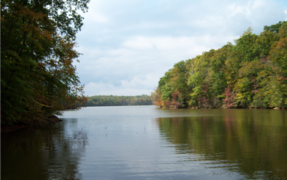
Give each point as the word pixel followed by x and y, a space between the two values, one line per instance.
pixel 251 73
pixel 37 52
pixel 275 27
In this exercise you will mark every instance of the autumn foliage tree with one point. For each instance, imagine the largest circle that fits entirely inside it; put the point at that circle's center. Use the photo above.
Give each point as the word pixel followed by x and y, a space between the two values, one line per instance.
pixel 229 98
pixel 37 54
pixel 252 73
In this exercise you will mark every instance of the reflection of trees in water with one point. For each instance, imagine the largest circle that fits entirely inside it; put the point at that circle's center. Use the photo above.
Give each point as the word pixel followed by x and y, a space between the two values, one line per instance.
pixel 252 142
pixel 47 153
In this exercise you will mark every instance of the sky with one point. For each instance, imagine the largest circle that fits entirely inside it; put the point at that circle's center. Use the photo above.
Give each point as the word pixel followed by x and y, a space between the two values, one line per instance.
pixel 128 45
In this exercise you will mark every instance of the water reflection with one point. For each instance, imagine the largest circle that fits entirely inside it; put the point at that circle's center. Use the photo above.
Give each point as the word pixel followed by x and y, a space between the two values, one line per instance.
pixel 148 143
pixel 43 153
pixel 250 142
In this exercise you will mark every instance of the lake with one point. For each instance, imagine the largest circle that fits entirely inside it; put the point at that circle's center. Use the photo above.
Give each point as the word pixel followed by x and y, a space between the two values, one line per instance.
pixel 143 142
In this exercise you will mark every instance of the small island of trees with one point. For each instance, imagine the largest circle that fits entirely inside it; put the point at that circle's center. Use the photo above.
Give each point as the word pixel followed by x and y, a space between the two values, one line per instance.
pixel 250 74
pixel 111 100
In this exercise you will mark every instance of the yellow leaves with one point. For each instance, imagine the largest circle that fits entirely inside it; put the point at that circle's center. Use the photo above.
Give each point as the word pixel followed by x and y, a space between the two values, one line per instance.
pixel 242 98
pixel 263 74
pixel 197 63
pixel 239 97
pixel 242 84
pixel 250 68
pixel 43 105
pixel 248 31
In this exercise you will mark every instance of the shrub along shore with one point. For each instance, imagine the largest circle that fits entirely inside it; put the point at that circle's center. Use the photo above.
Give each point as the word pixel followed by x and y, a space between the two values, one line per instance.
pixel 252 73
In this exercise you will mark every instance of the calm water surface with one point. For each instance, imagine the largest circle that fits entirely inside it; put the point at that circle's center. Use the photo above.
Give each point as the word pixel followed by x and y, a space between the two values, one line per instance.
pixel 142 142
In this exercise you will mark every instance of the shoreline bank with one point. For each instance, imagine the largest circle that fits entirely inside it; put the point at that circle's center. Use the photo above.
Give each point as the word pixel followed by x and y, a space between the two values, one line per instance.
pixel 17 127
pixel 275 108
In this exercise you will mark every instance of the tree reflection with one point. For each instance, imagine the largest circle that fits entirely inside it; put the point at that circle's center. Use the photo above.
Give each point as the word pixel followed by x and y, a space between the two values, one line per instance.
pixel 251 142
pixel 43 153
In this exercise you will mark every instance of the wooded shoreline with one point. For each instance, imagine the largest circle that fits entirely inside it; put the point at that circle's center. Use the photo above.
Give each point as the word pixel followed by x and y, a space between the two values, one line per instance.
pixel 276 108
pixel 251 73
pixel 111 100
pixel 38 75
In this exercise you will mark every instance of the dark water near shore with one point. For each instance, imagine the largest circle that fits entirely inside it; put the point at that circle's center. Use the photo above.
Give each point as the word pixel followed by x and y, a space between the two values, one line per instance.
pixel 142 142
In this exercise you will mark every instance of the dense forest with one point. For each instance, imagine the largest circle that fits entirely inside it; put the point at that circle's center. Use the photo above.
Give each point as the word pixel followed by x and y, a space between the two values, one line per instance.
pixel 118 100
pixel 38 77
pixel 252 73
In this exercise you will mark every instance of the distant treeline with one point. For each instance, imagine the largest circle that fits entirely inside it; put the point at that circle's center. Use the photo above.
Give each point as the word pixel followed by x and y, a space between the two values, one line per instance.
pixel 111 100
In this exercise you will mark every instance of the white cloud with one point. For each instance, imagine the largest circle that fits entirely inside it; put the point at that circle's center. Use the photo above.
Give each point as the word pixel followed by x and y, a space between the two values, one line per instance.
pixel 128 45
pixel 96 17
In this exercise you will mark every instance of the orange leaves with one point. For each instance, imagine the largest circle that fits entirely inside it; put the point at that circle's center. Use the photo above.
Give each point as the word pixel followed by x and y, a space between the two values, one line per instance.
pixel 156 98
